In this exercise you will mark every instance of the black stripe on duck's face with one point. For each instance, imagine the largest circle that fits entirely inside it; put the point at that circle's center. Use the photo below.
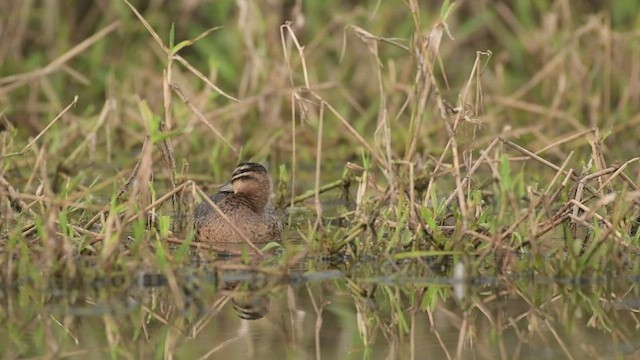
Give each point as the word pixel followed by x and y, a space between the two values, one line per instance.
pixel 247 170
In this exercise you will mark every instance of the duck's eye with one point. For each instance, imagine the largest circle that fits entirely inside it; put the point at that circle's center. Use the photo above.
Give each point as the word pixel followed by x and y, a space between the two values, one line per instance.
pixel 243 176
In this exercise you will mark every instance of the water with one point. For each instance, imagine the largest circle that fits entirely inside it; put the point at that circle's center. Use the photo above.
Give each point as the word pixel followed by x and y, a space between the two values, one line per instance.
pixel 216 311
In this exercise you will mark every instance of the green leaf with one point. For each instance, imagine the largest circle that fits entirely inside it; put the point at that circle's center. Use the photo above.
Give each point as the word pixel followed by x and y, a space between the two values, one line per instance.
pixel 164 223
pixel 446 9
pixel 270 246
pixel 430 298
pixel 172 35
pixel 161 256
pixel 183 44
pixel 162 136
pixel 418 254
pixel 505 173
pixel 183 249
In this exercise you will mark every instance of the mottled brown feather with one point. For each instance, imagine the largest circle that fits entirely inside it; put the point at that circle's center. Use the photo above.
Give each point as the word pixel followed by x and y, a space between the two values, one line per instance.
pixel 249 207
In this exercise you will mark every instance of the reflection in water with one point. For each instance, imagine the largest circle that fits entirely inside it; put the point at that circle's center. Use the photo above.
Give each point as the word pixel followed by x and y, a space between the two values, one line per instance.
pixel 235 313
pixel 251 306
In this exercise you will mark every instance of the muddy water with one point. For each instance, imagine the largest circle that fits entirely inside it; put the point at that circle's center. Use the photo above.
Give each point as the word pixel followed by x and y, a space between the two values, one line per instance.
pixel 330 314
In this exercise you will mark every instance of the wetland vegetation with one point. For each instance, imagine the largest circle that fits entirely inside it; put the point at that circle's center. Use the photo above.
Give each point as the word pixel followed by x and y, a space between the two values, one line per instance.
pixel 456 180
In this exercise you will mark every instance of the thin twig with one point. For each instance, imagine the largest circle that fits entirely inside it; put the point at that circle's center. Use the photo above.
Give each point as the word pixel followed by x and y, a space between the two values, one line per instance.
pixel 201 116
pixel 18 80
pixel 24 149
pixel 311 193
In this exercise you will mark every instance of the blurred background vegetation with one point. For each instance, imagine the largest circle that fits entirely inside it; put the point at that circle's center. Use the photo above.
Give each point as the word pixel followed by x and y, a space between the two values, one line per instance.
pixel 556 68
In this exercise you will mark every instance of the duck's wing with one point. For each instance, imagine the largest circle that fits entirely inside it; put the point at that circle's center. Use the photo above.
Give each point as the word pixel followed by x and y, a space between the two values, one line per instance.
pixel 203 209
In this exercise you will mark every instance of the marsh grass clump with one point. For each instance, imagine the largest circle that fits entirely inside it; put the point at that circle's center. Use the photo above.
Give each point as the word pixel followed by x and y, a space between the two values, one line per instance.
pixel 508 141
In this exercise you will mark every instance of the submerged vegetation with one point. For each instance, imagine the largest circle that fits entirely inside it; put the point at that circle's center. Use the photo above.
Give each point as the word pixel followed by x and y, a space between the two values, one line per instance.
pixel 415 148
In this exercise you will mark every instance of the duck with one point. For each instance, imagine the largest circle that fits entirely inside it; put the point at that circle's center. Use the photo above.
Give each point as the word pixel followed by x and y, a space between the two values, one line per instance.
pixel 246 202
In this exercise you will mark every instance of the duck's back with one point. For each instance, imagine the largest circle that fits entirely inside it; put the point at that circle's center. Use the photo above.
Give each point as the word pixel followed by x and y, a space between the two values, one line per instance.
pixel 258 226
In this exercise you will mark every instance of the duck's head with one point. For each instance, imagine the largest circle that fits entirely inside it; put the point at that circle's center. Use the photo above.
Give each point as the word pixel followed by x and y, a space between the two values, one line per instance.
pixel 252 181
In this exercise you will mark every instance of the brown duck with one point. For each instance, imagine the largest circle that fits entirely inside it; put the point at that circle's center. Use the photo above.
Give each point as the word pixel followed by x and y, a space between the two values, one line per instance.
pixel 246 203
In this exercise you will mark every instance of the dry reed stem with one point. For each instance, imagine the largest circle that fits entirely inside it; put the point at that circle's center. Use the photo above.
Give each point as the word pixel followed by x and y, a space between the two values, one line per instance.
pixel 483 158
pixel 591 212
pixel 311 193
pixel 168 52
pixel 619 172
pixel 123 188
pixel 13 196
pixel 534 206
pixel 111 239
pixel 563 185
pixel 582 183
pixel 109 106
pixel 204 79
pixel 293 151
pixel 40 157
pixel 51 201
pixel 172 281
pixel 344 122
pixel 445 110
pixel 535 220
pixel 412 192
pixel 158 202
pixel 426 48
pixel 201 116
pixel 560 172
pixel 355 232
pixel 597 156
pixel 432 175
pixel 628 180
pixel 462 335
pixel 557 60
pixel 383 113
pixel 299 48
pixel 220 346
pixel 435 331
pixel 33 141
pixel 367 36
pixel 564 140
pixel 552 223
pixel 165 126
pixel 225 218
pixel 318 309
pixel 15 81
pixel 558 338
pixel 545 162
pixel 167 78
pixel 541 110
pixel 379 159
pixel 213 309
pixel 143 162
pixel 140 189
pixel 294 101
pixel 318 204
pixel 424 82
pixel 533 156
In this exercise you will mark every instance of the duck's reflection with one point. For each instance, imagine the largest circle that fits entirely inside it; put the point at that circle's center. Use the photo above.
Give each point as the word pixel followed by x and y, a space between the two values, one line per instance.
pixel 246 282
pixel 251 305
